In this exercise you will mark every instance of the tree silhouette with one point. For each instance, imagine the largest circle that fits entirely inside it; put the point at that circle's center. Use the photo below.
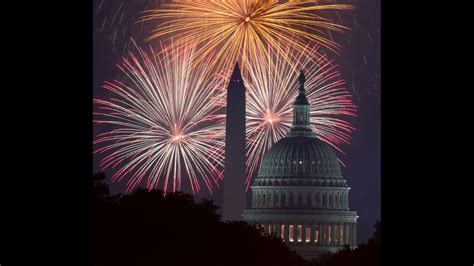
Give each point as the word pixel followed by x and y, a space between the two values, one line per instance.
pixel 150 228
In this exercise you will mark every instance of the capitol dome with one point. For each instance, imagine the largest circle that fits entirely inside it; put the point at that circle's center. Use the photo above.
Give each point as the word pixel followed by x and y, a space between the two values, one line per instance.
pixel 300 194
pixel 306 156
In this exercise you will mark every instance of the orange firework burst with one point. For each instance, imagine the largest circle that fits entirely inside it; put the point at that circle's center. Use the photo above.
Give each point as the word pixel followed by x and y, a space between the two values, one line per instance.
pixel 238 29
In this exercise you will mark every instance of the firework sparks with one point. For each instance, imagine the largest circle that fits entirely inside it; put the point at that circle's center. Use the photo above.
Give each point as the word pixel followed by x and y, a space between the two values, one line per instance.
pixel 166 121
pixel 238 29
pixel 272 83
pixel 115 21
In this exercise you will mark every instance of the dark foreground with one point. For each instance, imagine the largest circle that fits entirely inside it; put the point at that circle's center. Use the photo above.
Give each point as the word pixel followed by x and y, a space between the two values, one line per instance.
pixel 145 228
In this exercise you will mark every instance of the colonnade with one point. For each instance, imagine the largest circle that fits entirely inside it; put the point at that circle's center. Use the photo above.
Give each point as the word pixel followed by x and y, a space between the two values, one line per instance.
pixel 330 199
pixel 322 234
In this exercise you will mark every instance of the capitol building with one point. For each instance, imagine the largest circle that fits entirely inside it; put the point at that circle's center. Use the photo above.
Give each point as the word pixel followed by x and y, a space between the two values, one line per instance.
pixel 300 194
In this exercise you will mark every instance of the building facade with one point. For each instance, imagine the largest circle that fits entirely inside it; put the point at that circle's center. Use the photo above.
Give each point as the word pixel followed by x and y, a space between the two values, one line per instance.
pixel 300 194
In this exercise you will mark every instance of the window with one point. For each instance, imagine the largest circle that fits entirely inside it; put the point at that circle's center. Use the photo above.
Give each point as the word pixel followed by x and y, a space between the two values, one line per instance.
pixel 316 234
pixel 300 232
pixel 290 237
pixel 308 234
pixel 282 234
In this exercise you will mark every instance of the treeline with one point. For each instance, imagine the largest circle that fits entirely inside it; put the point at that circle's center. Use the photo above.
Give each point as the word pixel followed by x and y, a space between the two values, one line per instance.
pixel 148 228
pixel 145 228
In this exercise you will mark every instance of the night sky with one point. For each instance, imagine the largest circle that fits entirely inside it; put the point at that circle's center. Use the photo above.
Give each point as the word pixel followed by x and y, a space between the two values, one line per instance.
pixel 359 61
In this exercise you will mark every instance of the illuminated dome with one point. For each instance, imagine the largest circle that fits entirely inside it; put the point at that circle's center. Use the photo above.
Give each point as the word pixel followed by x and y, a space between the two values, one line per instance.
pixel 300 194
pixel 305 156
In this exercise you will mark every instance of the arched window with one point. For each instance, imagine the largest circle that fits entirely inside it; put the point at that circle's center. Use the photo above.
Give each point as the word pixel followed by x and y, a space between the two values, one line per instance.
pixel 300 232
pixel 291 233
pixel 282 232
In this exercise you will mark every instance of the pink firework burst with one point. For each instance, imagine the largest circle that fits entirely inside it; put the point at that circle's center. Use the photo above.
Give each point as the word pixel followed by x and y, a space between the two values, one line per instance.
pixel 167 121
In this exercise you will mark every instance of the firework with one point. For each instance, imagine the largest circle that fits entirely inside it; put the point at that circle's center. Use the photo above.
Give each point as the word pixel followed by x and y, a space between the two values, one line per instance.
pixel 238 29
pixel 114 22
pixel 272 83
pixel 166 121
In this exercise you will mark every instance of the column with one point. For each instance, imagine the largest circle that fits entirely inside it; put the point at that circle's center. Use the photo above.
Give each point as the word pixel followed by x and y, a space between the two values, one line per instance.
pixel 272 198
pixel 322 228
pixel 355 234
pixel 312 234
pixel 279 199
pixel 349 234
pixel 338 201
pixel 349 229
pixel 346 234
